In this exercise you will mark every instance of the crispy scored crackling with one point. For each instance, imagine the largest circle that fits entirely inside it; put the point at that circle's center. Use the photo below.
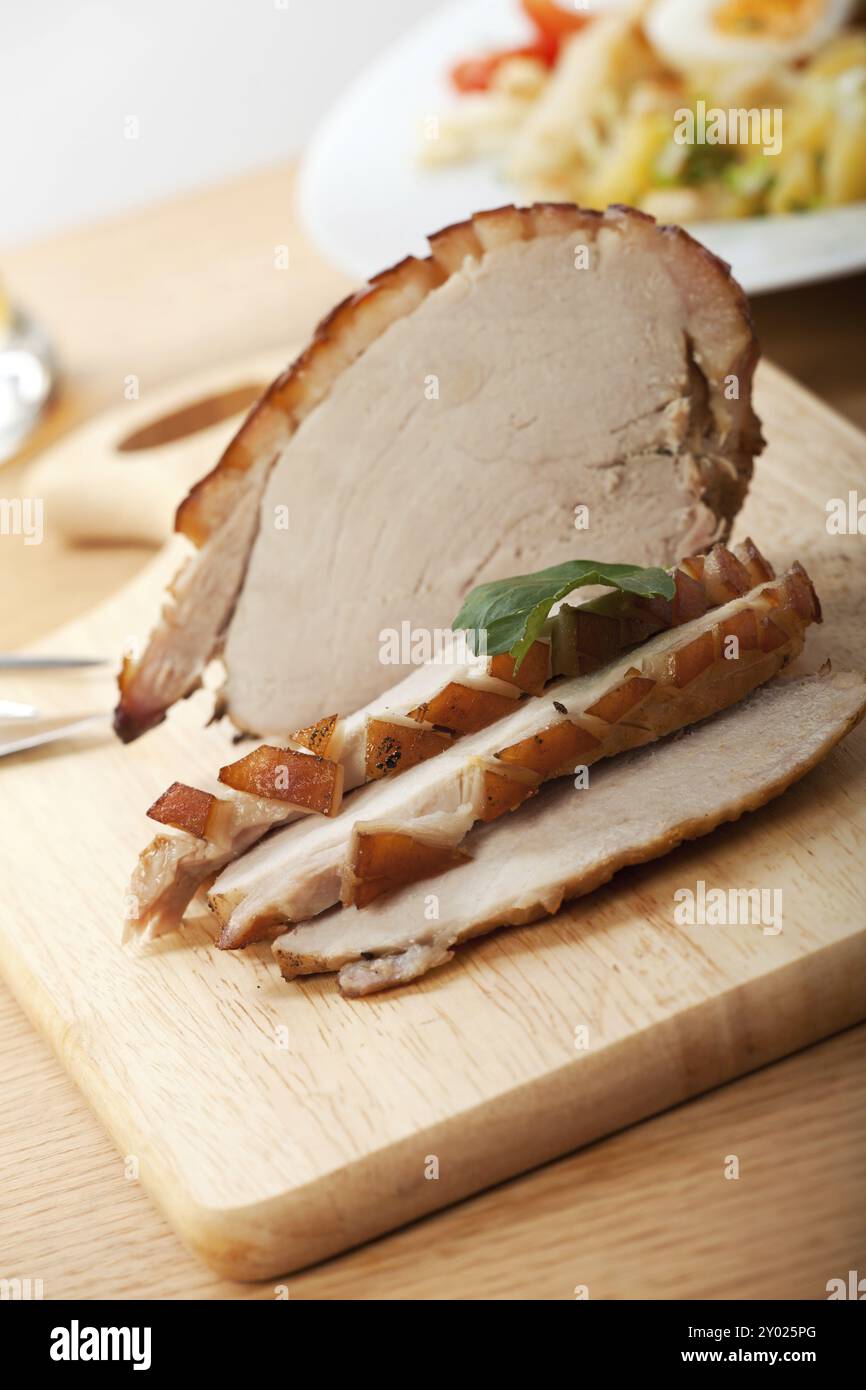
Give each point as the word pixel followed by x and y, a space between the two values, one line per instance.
pixel 385 739
pixel 677 678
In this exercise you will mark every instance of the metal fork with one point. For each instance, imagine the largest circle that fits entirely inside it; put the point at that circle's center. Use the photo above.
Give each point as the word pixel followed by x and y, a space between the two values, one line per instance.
pixel 52 729
pixel 23 726
pixel 15 661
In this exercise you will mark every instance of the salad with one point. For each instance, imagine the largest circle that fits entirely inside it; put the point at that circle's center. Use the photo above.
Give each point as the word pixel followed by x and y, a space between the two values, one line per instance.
pixel 688 109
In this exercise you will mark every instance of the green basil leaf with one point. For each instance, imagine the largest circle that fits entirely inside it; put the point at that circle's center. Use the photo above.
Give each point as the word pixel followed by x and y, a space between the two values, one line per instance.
pixel 512 612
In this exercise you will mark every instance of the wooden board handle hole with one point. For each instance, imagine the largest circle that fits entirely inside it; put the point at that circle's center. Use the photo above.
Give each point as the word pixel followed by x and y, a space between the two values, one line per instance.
pixel 191 419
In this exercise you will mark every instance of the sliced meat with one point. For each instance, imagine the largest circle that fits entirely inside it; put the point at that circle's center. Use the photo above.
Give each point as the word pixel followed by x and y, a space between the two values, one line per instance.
pixel 360 977
pixel 439 432
pixel 687 674
pixel 463 697
pixel 369 743
pixel 172 868
pixel 198 607
pixel 214 827
pixel 567 842
pixel 381 740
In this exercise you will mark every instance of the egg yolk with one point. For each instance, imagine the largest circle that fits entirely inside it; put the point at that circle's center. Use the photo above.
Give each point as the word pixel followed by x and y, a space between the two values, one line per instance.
pixel 777 19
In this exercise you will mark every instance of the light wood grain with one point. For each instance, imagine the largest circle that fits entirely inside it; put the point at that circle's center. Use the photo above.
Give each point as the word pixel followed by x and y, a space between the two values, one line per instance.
pixel 643 1214
pixel 121 476
pixel 179 288
pixel 268 1156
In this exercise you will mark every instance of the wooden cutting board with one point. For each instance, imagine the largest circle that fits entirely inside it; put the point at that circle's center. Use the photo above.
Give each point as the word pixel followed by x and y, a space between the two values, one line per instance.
pixel 277 1124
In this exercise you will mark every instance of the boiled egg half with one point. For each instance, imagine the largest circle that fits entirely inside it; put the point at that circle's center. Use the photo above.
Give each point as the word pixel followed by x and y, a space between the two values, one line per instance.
pixel 742 33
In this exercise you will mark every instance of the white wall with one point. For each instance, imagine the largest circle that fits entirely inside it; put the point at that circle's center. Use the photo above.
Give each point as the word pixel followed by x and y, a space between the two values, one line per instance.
pixel 217 86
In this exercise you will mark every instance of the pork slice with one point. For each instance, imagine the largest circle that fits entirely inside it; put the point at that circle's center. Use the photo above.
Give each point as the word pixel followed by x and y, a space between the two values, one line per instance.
pixel 567 843
pixel 675 679
pixel 172 869
pixel 210 827
pixel 348 739
pixel 198 607
pixel 576 640
pixel 439 432
pixel 174 866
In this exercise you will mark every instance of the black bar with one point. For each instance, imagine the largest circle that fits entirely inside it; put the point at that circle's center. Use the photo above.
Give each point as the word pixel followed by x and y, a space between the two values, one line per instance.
pixel 175 1336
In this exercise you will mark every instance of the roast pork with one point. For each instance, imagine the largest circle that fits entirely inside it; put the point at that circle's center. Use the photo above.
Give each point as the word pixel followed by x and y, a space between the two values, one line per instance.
pixel 172 867
pixel 415 720
pixel 265 788
pixel 451 423
pixel 568 842
pixel 396 830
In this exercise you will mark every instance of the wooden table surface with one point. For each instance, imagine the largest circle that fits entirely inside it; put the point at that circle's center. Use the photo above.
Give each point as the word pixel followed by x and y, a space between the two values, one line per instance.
pixel 644 1214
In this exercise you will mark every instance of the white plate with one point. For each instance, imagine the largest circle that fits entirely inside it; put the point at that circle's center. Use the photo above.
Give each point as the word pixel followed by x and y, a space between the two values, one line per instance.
pixel 366 203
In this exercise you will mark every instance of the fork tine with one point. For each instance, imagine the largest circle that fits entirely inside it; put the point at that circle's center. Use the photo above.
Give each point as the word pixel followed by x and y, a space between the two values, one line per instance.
pixel 13 709
pixel 15 661
pixel 62 728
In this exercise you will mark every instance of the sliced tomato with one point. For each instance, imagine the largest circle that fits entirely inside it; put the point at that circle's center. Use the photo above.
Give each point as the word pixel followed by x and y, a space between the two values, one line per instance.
pixel 555 21
pixel 476 74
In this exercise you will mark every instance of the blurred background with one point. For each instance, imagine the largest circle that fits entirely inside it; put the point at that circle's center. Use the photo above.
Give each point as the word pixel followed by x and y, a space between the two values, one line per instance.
pixel 219 87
